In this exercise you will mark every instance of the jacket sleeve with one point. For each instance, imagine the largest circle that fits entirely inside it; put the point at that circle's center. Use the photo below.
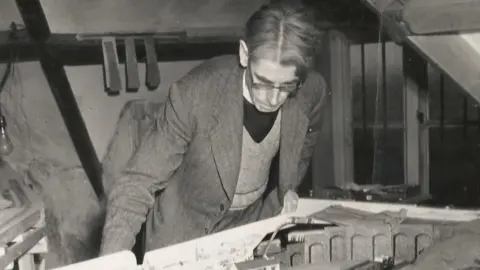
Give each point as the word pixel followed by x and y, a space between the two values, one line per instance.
pixel 314 126
pixel 153 163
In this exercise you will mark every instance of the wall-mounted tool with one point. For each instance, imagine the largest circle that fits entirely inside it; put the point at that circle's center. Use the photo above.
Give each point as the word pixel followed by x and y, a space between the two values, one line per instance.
pixel 111 61
pixel 131 65
pixel 111 66
pixel 152 80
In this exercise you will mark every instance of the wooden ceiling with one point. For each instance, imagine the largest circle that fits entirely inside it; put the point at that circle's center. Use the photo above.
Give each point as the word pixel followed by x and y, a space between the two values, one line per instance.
pixel 104 16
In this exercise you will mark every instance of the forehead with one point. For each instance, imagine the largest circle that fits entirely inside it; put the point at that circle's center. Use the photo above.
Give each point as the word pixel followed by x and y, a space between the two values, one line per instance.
pixel 273 71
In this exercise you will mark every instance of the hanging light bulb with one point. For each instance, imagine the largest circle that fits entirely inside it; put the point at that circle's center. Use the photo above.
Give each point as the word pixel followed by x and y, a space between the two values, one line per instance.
pixel 6 146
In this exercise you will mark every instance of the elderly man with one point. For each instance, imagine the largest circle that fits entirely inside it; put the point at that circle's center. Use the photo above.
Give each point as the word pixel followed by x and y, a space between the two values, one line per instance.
pixel 232 142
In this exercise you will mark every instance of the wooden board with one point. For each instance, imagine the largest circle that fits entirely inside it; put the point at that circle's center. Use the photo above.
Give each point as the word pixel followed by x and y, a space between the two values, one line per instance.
pixel 453 54
pixel 18 219
pixel 103 16
pixel 440 16
pixel 237 244
pixel 434 16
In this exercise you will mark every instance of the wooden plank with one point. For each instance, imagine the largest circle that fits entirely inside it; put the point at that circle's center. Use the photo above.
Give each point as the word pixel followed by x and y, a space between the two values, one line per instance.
pixel 450 53
pixel 131 65
pixel 422 17
pixel 323 172
pixel 107 16
pixel 22 217
pixel 441 16
pixel 20 248
pixel 416 112
pixel 152 80
pixel 111 66
pixel 332 162
pixel 454 56
pixel 37 26
pixel 340 83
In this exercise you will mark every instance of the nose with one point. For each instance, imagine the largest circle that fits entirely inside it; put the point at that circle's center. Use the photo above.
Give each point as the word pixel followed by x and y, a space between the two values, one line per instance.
pixel 274 97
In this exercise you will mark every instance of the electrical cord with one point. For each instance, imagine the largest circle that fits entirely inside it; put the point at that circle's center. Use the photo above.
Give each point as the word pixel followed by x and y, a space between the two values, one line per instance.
pixel 289 221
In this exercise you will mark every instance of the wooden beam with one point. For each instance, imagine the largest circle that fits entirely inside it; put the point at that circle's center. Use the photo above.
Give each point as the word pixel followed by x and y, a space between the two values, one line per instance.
pixel 337 126
pixel 341 84
pixel 450 53
pixel 106 16
pixel 37 27
pixel 454 56
pixel 85 49
pixel 422 17
pixel 416 112
pixel 441 16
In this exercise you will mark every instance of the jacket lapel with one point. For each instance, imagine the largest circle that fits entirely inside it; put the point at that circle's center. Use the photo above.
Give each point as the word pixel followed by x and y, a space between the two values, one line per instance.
pixel 293 131
pixel 227 130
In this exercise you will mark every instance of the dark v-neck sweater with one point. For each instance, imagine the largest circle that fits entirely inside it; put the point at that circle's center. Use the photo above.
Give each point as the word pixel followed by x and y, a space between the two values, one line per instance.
pixel 258 124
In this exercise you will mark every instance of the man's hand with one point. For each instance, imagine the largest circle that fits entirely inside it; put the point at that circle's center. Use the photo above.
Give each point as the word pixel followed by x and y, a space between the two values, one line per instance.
pixel 290 202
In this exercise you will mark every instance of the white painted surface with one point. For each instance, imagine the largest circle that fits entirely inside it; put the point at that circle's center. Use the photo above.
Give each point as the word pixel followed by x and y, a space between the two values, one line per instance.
pixel 100 111
pixel 124 260
pixel 238 244
pixel 473 39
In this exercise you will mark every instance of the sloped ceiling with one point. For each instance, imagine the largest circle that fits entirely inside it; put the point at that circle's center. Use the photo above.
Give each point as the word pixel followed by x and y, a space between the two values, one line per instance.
pixel 8 13
pixel 101 16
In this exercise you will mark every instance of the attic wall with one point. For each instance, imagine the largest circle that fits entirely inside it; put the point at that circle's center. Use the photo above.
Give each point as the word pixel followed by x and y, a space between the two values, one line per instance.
pixel 147 15
pixel 27 99
pixel 44 149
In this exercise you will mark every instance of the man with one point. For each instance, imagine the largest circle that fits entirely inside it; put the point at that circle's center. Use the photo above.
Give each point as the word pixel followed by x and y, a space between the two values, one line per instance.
pixel 227 129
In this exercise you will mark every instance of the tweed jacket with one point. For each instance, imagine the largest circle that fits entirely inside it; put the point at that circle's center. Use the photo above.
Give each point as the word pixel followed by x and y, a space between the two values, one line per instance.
pixel 192 155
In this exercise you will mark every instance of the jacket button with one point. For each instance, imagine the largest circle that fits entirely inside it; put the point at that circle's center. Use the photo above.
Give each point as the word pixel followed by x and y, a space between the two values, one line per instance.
pixel 222 207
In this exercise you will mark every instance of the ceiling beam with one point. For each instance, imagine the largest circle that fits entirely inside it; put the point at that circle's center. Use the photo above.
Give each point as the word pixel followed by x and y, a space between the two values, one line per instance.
pixel 38 30
pixel 421 17
pixel 87 50
pixel 450 53
pixel 442 16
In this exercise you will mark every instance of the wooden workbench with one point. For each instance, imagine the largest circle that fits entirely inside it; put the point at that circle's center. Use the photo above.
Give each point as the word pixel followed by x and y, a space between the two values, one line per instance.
pixel 22 234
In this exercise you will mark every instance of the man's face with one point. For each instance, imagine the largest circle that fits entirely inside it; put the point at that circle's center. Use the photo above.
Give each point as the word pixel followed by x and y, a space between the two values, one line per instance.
pixel 270 83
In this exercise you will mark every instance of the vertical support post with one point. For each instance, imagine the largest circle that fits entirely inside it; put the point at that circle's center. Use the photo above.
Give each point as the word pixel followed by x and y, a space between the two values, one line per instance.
pixel 416 111
pixel 336 141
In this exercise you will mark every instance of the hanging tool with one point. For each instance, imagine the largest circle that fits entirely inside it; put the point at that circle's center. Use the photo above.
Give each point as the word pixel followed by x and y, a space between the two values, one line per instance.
pixel 152 80
pixel 111 66
pixel 131 65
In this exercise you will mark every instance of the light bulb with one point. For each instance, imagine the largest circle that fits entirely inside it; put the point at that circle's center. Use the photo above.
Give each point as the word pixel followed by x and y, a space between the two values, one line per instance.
pixel 6 146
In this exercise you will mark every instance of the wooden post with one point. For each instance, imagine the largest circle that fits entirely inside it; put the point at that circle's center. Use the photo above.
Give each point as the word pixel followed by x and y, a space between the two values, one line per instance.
pixel 416 111
pixel 333 158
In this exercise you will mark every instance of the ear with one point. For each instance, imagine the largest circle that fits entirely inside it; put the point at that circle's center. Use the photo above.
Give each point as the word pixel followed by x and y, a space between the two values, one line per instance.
pixel 243 53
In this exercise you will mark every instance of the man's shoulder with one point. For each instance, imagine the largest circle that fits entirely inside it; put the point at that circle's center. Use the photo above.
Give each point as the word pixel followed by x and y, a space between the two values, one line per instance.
pixel 216 68
pixel 315 87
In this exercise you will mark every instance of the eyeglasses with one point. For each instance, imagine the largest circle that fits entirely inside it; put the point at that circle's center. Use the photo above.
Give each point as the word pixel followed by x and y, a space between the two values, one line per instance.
pixel 288 87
